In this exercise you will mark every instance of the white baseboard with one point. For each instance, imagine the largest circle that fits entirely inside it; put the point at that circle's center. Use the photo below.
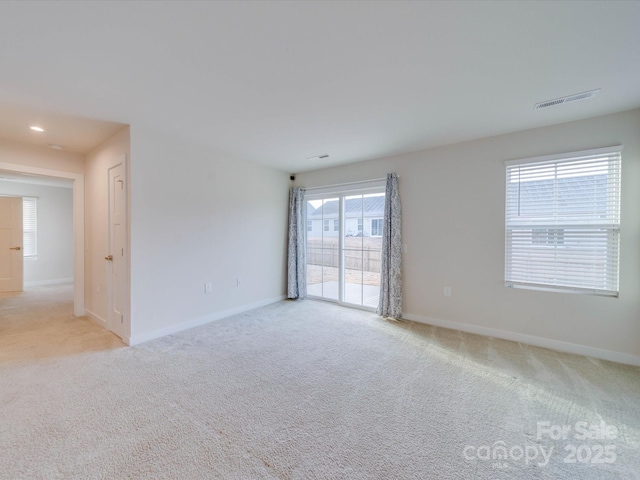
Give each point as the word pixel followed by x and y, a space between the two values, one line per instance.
pixel 41 283
pixel 529 340
pixel 96 319
pixel 196 322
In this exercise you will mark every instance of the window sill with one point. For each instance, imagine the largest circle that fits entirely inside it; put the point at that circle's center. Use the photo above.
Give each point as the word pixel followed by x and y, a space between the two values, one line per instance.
pixel 557 289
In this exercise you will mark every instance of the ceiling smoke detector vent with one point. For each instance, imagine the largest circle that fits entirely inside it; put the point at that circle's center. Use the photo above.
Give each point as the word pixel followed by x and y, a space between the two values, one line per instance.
pixel 570 98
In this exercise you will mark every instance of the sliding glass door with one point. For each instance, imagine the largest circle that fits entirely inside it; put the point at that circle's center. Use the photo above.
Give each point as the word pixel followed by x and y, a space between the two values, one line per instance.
pixel 362 247
pixel 344 244
pixel 323 250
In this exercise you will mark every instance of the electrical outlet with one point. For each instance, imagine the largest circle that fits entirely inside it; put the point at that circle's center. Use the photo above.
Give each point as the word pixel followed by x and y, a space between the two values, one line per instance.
pixel 404 248
pixel 238 282
pixel 447 291
pixel 208 287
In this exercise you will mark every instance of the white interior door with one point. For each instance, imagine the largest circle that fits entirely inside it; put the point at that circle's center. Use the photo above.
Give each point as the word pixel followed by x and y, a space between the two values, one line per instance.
pixel 117 257
pixel 10 244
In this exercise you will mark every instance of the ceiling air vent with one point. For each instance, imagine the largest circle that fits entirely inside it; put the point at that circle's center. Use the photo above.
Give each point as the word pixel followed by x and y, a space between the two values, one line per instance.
pixel 570 98
pixel 318 157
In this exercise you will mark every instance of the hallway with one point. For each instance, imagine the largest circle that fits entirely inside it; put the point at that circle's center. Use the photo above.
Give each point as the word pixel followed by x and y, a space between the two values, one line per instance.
pixel 39 323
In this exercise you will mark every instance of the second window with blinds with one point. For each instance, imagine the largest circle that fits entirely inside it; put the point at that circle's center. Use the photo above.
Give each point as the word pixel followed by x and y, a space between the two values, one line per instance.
pixel 30 227
pixel 563 222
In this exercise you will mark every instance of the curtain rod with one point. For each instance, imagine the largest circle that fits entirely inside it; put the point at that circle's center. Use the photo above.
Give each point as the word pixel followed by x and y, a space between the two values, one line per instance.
pixel 347 184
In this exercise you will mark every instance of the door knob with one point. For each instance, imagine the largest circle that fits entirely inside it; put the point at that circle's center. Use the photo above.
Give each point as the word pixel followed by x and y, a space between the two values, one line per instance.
pixel 15 248
pixel 110 257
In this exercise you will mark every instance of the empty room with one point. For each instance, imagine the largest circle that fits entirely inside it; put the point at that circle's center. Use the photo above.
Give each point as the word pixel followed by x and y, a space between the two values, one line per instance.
pixel 319 240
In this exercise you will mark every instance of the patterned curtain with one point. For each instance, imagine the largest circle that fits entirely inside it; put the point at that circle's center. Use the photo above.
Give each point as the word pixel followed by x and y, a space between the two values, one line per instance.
pixel 297 258
pixel 390 303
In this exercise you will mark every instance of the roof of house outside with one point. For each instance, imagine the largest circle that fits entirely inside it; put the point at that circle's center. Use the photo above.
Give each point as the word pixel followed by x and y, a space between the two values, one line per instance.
pixel 354 207
pixel 529 194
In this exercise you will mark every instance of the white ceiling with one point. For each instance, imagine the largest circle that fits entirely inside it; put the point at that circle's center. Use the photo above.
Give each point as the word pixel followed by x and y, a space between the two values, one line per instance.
pixel 71 133
pixel 277 82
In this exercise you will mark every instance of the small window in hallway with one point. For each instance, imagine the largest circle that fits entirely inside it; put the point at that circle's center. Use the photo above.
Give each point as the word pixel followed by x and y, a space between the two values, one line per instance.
pixel 30 226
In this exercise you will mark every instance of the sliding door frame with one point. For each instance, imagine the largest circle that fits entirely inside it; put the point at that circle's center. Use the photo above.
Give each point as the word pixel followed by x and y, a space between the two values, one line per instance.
pixel 341 192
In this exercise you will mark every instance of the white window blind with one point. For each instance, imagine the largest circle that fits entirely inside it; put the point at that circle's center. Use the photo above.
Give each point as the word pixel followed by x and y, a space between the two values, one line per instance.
pixel 563 222
pixel 30 226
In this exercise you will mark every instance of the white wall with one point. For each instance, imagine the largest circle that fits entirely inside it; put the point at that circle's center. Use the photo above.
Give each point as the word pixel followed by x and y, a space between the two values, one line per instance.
pixel 97 220
pixel 54 262
pixel 453 225
pixel 199 216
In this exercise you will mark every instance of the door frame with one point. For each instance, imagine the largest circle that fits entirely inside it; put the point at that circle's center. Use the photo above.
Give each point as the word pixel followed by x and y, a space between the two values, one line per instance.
pixel 78 224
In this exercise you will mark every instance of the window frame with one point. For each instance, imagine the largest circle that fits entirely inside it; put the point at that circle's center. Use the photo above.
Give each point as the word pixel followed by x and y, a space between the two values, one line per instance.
pixel 378 228
pixel 563 221
pixel 30 228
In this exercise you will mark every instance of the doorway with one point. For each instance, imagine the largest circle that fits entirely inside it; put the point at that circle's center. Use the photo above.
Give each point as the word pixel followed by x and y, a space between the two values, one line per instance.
pixel 78 224
pixel 344 246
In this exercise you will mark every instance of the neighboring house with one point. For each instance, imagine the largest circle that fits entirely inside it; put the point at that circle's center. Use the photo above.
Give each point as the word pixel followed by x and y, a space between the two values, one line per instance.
pixel 551 237
pixel 526 195
pixel 363 217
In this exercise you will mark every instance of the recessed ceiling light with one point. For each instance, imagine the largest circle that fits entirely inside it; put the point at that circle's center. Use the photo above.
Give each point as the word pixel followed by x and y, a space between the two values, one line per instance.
pixel 55 147
pixel 36 128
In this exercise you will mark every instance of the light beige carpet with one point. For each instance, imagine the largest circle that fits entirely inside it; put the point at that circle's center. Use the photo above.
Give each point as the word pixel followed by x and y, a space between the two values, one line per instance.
pixel 306 390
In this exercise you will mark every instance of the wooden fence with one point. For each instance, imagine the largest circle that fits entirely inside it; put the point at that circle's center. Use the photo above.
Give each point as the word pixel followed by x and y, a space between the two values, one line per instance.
pixel 327 253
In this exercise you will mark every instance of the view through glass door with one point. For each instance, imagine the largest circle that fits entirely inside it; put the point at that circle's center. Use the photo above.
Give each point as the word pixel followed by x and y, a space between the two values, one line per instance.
pixel 323 251
pixel 344 245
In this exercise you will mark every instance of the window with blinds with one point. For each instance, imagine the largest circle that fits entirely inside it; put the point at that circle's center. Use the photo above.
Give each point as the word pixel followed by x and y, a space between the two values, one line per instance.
pixel 30 226
pixel 563 222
